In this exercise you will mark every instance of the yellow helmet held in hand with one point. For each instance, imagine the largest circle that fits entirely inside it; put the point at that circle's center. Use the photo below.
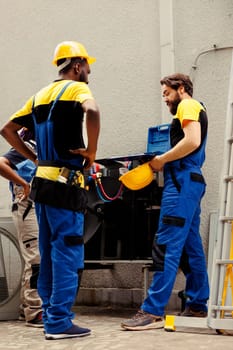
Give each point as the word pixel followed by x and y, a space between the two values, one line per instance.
pixel 70 49
pixel 138 178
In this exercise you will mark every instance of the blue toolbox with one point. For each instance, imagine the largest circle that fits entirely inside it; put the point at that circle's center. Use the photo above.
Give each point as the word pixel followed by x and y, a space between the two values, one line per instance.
pixel 158 140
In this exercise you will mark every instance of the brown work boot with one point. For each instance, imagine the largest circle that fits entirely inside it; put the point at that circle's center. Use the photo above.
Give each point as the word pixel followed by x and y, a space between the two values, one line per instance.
pixel 143 321
pixel 189 312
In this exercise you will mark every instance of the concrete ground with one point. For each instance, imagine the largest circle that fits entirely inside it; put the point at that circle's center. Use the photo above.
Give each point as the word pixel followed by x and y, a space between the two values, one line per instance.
pixel 107 335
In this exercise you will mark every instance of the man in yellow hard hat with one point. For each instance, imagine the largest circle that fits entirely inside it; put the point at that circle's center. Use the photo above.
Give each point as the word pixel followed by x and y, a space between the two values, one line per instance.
pixel 56 115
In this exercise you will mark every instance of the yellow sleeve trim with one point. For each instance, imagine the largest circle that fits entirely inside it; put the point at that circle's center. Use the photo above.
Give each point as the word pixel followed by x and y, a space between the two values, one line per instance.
pixel 25 110
pixel 189 109
pixel 79 91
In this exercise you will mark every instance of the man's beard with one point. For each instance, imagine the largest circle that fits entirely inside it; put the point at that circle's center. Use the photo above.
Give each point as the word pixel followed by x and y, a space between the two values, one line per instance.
pixel 173 105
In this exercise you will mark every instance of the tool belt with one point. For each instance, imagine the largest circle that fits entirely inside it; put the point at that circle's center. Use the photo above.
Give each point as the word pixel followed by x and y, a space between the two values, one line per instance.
pixel 57 194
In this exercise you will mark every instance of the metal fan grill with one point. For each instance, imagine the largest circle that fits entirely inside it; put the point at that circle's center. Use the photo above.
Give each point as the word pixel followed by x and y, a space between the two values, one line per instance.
pixel 11 268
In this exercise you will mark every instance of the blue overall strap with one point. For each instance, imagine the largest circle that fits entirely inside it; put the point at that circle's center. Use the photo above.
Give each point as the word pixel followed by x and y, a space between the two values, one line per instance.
pixel 58 97
pixel 46 140
pixel 54 102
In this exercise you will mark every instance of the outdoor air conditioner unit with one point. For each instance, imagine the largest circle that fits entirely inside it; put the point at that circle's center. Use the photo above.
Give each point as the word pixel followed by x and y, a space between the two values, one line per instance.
pixel 11 269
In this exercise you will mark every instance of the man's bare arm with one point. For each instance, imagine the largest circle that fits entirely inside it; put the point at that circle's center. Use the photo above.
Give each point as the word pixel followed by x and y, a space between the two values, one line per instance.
pixel 10 132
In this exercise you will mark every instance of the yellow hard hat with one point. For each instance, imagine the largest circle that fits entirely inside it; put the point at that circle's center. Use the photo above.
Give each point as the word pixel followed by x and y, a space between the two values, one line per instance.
pixel 69 49
pixel 138 178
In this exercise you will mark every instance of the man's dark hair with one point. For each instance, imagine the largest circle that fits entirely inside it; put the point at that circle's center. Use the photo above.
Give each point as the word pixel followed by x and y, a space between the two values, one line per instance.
pixel 73 61
pixel 174 81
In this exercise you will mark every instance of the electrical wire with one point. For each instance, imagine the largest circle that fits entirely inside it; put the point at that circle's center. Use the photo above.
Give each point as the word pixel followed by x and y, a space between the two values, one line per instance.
pixel 100 195
pixel 105 194
pixel 213 49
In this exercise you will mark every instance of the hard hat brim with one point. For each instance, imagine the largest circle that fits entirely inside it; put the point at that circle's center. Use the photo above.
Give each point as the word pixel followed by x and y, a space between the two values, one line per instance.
pixel 91 60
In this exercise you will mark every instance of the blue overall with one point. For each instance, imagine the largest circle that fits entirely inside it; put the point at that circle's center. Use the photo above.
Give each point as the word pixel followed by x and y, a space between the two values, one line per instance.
pixel 61 255
pixel 179 222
